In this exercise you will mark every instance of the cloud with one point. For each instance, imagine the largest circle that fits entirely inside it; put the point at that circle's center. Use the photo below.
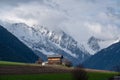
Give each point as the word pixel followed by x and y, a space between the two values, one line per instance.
pixel 80 18
pixel 34 13
pixel 103 31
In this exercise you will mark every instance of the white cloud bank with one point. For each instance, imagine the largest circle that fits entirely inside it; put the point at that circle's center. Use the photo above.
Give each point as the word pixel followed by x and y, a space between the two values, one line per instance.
pixel 80 18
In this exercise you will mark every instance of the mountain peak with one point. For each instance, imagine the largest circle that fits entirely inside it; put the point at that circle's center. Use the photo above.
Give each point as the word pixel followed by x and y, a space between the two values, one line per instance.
pixel 93 43
pixel 97 44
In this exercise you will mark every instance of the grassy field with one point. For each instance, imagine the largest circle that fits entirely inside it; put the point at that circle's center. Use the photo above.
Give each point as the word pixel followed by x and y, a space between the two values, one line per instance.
pixel 100 75
pixel 92 75
pixel 58 76
pixel 5 63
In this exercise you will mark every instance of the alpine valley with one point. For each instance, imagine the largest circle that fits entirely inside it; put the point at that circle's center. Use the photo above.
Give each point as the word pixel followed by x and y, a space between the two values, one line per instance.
pixel 76 33
pixel 44 41
pixel 48 42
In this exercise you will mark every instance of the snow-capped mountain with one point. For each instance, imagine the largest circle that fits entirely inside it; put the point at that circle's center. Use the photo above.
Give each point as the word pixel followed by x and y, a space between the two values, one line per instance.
pixel 41 39
pixel 96 44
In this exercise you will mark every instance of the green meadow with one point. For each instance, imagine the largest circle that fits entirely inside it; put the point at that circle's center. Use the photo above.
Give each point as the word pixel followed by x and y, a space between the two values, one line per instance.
pixel 57 76
pixel 5 63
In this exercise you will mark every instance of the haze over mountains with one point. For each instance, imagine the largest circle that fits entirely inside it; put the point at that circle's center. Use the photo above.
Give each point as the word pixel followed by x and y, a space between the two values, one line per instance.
pixel 81 19
pixel 76 29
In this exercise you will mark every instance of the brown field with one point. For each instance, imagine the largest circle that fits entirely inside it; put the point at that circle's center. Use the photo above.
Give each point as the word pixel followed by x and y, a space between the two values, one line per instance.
pixel 24 69
pixel 49 72
pixel 5 70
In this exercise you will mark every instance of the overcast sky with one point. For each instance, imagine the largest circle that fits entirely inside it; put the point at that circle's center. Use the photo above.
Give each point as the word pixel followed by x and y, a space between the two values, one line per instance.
pixel 80 18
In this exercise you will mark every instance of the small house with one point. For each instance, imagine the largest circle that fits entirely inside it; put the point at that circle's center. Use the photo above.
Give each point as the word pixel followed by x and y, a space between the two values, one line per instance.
pixel 55 59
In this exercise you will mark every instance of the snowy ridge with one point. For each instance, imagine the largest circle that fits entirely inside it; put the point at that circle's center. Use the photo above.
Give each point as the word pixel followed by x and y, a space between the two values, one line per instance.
pixel 40 39
pixel 95 44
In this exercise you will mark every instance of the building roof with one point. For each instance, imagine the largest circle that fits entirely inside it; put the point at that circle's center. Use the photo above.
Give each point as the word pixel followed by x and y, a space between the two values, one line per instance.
pixel 55 55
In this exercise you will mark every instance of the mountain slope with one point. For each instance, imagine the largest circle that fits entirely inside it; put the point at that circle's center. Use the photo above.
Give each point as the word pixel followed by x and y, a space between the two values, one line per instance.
pixel 41 39
pixel 106 59
pixel 11 49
